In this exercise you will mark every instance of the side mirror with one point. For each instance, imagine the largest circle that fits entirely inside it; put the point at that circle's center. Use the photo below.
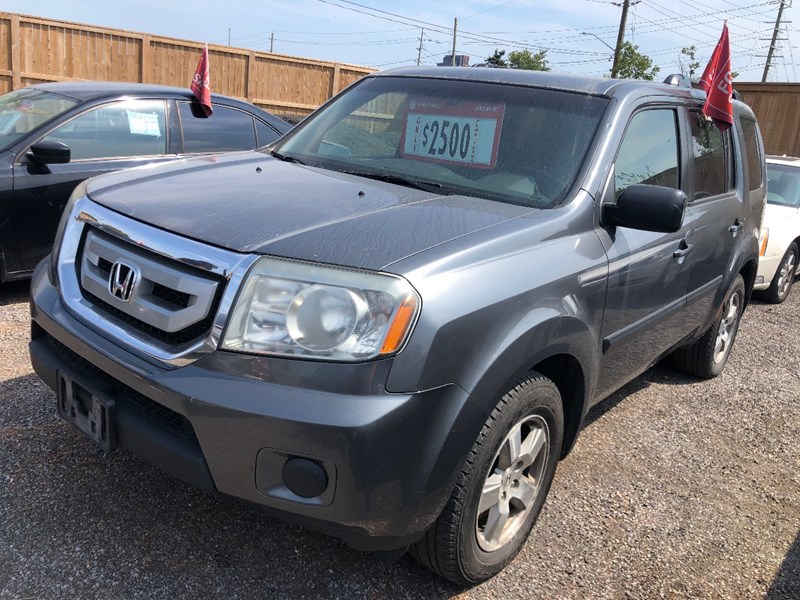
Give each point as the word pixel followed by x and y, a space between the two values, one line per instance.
pixel 48 153
pixel 647 207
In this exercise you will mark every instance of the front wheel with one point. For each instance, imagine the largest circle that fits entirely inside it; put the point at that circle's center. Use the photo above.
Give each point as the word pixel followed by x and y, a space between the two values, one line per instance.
pixel 501 487
pixel 707 357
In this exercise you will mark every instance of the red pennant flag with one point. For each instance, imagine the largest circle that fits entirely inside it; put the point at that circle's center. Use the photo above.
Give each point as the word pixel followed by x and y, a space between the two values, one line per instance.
pixel 201 84
pixel 717 83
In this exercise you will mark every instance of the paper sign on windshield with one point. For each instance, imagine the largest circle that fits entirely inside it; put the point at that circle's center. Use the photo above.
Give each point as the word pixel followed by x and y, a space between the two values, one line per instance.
pixel 466 133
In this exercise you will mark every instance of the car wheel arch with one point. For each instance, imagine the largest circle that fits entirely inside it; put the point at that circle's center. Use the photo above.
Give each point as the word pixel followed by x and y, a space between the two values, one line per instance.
pixel 567 361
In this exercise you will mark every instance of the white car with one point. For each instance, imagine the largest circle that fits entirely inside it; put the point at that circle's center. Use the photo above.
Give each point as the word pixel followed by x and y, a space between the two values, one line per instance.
pixel 780 233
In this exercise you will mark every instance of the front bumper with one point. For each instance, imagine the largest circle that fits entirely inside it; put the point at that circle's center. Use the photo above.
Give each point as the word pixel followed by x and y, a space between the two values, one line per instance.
pixel 229 422
pixel 767 268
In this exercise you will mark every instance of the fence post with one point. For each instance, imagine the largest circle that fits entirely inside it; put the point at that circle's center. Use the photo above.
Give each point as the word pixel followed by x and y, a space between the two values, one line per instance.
pixel 147 59
pixel 16 56
pixel 249 83
pixel 334 81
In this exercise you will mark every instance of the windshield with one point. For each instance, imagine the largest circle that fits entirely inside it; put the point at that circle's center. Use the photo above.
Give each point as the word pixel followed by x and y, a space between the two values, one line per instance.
pixel 24 110
pixel 783 185
pixel 514 144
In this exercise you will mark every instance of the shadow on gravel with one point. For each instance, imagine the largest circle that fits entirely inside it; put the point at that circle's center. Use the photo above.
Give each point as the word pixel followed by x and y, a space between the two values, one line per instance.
pixel 786 584
pixel 27 401
pixel 660 373
pixel 14 291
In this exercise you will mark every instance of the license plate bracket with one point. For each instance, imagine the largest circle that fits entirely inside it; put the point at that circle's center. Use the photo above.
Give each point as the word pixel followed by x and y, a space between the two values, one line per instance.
pixel 91 411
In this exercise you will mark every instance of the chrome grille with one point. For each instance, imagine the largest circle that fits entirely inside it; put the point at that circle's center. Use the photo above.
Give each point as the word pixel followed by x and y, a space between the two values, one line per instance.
pixel 165 296
pixel 171 310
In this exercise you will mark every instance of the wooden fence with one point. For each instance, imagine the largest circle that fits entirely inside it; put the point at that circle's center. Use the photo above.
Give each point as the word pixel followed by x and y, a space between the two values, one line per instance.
pixel 777 107
pixel 33 50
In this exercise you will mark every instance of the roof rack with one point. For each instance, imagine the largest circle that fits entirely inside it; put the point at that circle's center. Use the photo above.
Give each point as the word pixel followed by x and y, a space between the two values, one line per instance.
pixel 679 79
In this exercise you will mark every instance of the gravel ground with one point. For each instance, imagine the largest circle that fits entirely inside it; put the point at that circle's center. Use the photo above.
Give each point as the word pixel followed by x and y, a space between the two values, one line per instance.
pixel 677 488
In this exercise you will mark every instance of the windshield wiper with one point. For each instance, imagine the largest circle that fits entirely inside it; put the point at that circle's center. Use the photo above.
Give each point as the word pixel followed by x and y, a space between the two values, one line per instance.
pixel 420 184
pixel 285 158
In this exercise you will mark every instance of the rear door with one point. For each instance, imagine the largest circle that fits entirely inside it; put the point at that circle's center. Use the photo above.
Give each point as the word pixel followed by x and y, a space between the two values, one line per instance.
pixel 105 138
pixel 714 214
pixel 648 272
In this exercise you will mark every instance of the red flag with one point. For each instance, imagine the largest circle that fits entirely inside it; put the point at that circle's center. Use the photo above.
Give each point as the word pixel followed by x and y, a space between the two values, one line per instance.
pixel 201 84
pixel 717 83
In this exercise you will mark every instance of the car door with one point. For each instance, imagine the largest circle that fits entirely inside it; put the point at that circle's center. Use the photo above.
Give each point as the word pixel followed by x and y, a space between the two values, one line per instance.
pixel 714 212
pixel 112 136
pixel 648 271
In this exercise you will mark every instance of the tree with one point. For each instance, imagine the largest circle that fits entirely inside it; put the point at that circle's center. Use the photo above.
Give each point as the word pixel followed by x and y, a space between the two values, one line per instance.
pixel 689 68
pixel 524 59
pixel 634 65
pixel 497 59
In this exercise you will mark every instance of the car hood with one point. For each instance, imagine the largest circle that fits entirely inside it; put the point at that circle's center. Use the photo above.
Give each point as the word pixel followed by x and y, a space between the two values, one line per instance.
pixel 251 202
pixel 777 216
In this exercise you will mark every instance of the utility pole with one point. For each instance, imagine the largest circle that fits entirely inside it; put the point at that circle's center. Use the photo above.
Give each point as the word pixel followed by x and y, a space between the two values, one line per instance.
pixel 773 42
pixel 455 27
pixel 620 38
pixel 271 41
pixel 419 56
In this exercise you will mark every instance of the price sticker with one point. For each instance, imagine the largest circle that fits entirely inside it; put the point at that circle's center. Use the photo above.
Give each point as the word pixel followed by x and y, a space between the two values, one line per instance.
pixel 465 133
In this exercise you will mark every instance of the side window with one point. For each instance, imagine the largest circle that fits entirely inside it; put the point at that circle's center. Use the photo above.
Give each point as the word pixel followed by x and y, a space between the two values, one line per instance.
pixel 226 129
pixel 649 151
pixel 712 157
pixel 754 158
pixel 266 134
pixel 122 129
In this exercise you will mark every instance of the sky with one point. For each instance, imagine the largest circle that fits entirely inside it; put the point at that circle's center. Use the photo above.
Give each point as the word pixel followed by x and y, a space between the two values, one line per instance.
pixel 578 34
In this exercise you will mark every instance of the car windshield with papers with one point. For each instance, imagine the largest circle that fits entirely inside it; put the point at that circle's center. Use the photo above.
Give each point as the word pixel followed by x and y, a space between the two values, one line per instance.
pixel 515 144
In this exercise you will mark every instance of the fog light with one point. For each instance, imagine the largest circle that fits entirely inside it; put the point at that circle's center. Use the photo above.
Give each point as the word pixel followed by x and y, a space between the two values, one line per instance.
pixel 304 477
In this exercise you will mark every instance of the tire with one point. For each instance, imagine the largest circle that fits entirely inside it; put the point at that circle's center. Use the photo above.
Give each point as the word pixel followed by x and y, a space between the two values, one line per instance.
pixel 706 358
pixel 471 541
pixel 782 282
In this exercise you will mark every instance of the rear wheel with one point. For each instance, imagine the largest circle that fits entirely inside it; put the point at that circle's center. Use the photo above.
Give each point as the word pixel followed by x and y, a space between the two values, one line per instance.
pixel 501 488
pixel 707 357
pixel 782 282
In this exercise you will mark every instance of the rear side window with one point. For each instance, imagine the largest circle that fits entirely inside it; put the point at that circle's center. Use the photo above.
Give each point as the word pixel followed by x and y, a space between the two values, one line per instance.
pixel 226 129
pixel 649 151
pixel 712 157
pixel 266 134
pixel 754 157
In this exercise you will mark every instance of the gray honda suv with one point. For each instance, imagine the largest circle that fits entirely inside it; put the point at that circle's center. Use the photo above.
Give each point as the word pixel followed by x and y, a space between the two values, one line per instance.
pixel 390 325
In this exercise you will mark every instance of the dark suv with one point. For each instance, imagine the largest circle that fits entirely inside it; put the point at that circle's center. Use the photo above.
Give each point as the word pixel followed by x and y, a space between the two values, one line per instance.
pixel 391 324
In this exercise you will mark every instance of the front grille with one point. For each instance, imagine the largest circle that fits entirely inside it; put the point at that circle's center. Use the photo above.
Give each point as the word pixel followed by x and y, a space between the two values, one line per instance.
pixel 172 297
pixel 170 302
pixel 148 409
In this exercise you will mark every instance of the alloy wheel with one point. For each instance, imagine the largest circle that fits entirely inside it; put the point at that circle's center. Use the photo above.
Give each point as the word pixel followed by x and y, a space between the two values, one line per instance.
pixel 727 328
pixel 513 483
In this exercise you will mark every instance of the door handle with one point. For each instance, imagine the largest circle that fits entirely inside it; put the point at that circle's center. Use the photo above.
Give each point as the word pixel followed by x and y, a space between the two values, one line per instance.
pixel 735 228
pixel 682 252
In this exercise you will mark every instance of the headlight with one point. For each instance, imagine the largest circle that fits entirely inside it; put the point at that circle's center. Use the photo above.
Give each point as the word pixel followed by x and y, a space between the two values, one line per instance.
pixel 763 240
pixel 78 192
pixel 291 308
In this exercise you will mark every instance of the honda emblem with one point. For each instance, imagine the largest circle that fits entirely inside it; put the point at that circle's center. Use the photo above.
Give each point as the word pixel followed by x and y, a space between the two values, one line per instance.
pixel 122 281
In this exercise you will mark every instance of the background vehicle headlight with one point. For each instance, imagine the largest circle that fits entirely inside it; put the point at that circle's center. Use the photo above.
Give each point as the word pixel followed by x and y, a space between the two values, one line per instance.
pixel 291 308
